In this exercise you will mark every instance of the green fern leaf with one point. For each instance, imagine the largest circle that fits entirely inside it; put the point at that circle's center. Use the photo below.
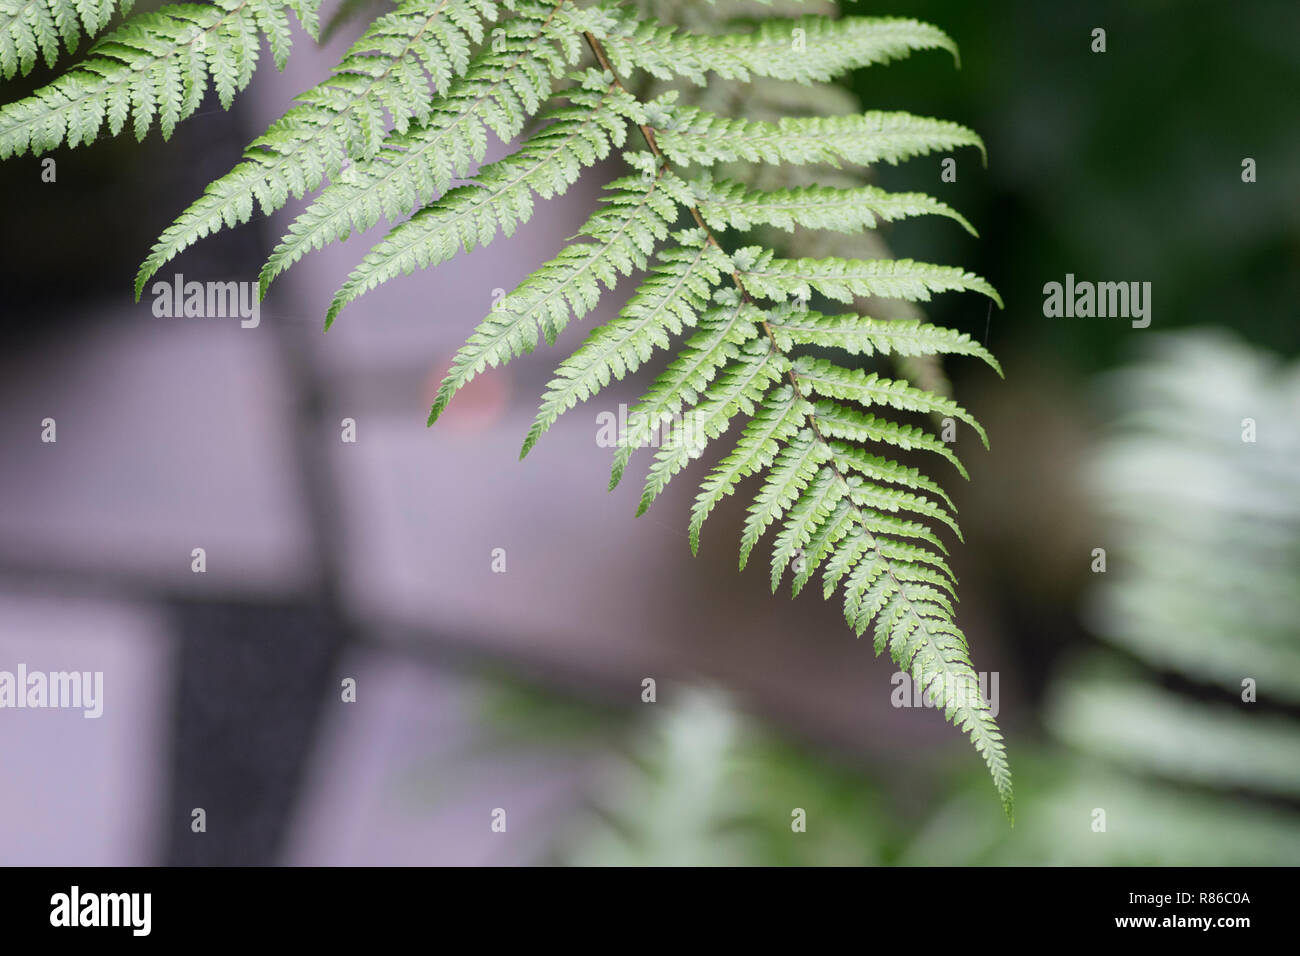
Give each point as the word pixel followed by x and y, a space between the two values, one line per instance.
pixel 731 205
pixel 694 136
pixel 782 415
pixel 669 300
pixel 869 534
pixel 914 620
pixel 809 49
pixel 859 335
pixel 391 67
pixel 635 219
pixel 722 331
pixel 821 543
pixel 404 119
pixel 883 499
pixel 875 468
pixel 790 474
pixel 155 64
pixel 842 279
pixel 31 29
pixel 811 509
pixel 406 176
pixel 830 380
pixel 841 421
pixel 500 199
pixel 737 389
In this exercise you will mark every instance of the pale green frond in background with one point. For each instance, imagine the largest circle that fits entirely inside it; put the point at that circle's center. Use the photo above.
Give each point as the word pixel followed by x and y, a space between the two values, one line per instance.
pixel 1182 729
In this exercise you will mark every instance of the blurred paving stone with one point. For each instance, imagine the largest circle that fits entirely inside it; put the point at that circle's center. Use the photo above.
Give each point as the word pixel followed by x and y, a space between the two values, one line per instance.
pixel 172 434
pixel 77 791
pixel 426 509
pixel 403 777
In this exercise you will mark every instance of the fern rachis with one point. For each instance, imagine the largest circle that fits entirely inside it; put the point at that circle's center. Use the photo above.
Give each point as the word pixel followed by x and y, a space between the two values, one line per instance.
pixel 408 111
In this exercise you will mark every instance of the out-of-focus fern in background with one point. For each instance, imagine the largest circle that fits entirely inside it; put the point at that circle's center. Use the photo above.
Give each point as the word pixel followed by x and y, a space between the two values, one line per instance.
pixel 1202 537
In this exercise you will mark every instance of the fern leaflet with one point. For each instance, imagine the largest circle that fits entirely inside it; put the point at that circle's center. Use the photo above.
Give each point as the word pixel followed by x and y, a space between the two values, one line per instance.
pixel 31 29
pixel 154 65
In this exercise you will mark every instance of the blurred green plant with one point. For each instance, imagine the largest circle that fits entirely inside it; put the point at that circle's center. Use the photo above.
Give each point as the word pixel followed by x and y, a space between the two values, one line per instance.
pixel 698 783
pixel 1198 480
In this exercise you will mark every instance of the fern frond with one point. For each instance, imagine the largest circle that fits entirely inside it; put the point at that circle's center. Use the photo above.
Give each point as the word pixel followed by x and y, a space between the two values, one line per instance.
pixel 424 44
pixel 904 552
pixel 406 176
pixel 669 300
pixel 731 205
pixel 636 217
pixel 914 620
pixel 694 136
pixel 781 416
pixel 500 199
pixel 796 466
pixel 154 65
pixel 842 421
pixel 821 544
pixel 877 523
pixel 833 381
pixel 722 330
pixel 399 130
pixel 736 390
pixel 859 335
pixel 808 512
pixel 868 533
pixel 842 279
pixel 835 503
pixel 809 49
pixel 883 499
pixel 31 29
pixel 852 458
